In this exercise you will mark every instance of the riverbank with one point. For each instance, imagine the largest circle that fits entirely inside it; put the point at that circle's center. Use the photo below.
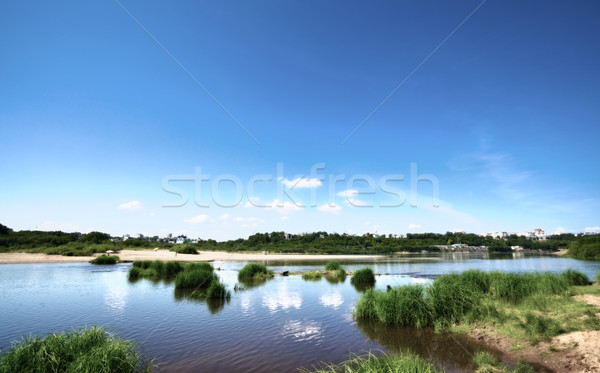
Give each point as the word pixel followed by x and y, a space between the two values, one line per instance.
pixel 570 352
pixel 166 255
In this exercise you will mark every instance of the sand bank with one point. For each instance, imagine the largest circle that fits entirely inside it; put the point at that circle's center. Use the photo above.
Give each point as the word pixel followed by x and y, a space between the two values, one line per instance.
pixel 166 255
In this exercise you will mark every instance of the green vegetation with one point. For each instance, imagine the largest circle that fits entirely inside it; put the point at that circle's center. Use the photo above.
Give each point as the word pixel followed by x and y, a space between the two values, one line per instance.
pixel 105 259
pixel 587 247
pixel 485 362
pixel 401 362
pixel 312 276
pixel 332 266
pixel 194 280
pixel 83 350
pixel 61 243
pixel 363 276
pixel 576 278
pixel 254 271
pixel 531 306
pixel 185 249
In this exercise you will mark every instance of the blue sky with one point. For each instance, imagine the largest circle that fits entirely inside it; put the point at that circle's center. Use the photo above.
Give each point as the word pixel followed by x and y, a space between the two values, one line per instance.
pixel 96 118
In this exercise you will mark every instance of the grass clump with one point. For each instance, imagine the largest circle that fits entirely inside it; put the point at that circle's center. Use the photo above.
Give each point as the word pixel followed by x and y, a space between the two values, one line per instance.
pixel 332 266
pixel 363 276
pixel 166 271
pixel 312 276
pixel 82 350
pixel 197 278
pixel 254 271
pixel 105 259
pixel 541 328
pixel 400 362
pixel 485 362
pixel 217 290
pixel 186 249
pixel 576 278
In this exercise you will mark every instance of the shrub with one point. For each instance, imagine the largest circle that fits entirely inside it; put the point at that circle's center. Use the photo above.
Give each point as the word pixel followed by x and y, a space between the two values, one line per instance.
pixel 105 259
pixel 134 273
pixel 254 270
pixel 363 276
pixel 186 249
pixel 83 350
pixel 332 266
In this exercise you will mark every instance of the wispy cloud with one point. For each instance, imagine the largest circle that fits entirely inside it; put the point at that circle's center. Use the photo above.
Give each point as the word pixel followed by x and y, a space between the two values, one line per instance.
pixel 130 206
pixel 412 226
pixel 592 229
pixel 199 219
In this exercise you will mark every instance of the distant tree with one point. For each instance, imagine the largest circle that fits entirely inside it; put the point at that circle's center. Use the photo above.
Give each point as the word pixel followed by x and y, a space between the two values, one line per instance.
pixel 95 237
pixel 4 229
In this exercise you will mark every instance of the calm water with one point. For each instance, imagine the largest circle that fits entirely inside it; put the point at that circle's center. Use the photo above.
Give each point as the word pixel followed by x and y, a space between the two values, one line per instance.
pixel 279 326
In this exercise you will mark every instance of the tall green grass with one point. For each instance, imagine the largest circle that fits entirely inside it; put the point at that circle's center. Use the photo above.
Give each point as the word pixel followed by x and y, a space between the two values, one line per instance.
pixel 197 278
pixel 363 276
pixel 471 296
pixel 312 276
pixel 485 362
pixel 82 350
pixel 405 362
pixel 254 271
pixel 576 278
pixel 166 271
pixel 332 266
pixel 105 259
pixel 217 290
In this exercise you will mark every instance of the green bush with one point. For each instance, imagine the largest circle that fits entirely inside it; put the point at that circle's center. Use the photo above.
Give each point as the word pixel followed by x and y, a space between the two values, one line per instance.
pixel 332 266
pixel 105 259
pixel 186 249
pixel 83 350
pixel 363 276
pixel 134 273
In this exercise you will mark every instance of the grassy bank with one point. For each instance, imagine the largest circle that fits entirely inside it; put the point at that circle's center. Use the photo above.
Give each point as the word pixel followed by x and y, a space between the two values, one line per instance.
pixel 83 350
pixel 402 362
pixel 532 307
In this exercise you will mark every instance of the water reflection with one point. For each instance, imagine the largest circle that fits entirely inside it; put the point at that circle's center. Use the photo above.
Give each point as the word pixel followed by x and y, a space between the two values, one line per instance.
pixel 452 352
pixel 362 287
pixel 332 299
pixel 199 296
pixel 282 298
pixel 303 331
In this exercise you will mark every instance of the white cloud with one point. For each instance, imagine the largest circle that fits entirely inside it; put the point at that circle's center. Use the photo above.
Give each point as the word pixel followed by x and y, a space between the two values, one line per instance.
pixel 224 217
pixel 130 206
pixel 284 217
pixel 52 226
pixel 198 219
pixel 350 195
pixel 414 226
pixel 592 229
pixel 335 209
pixel 252 202
pixel 301 183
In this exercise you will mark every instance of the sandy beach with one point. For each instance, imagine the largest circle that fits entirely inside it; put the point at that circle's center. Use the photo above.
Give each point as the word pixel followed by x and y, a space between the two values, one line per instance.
pixel 166 255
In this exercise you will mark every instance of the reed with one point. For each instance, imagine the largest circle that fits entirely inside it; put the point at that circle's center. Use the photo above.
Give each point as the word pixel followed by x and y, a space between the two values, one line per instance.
pixel 576 278
pixel 81 350
pixel 363 276
pixel 254 271
pixel 217 290
pixel 332 266
pixel 105 259
pixel 194 279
